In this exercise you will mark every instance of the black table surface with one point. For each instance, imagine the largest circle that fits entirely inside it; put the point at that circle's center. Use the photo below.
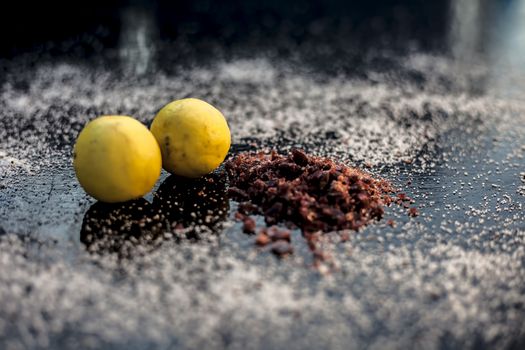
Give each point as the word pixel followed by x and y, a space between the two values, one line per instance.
pixel 448 133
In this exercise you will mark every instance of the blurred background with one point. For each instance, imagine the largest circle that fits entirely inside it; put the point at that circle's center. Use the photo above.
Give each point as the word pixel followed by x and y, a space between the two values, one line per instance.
pixel 144 36
pixel 29 23
pixel 460 27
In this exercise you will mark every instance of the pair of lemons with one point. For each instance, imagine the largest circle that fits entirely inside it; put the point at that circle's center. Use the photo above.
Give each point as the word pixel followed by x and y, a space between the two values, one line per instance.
pixel 116 158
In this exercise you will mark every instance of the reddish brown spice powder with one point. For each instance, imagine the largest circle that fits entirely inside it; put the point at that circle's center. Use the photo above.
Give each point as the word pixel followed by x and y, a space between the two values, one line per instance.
pixel 413 212
pixel 312 193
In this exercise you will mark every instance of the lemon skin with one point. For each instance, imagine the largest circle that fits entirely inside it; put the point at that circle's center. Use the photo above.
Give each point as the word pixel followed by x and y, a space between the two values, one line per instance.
pixel 193 136
pixel 116 159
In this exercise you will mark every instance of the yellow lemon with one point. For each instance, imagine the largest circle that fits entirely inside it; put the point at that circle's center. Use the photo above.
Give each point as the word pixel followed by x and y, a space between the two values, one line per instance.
pixel 116 159
pixel 193 135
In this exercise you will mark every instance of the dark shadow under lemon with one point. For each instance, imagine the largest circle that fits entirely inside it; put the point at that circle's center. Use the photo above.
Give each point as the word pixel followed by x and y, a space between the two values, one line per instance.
pixel 121 227
pixel 195 205
pixel 182 208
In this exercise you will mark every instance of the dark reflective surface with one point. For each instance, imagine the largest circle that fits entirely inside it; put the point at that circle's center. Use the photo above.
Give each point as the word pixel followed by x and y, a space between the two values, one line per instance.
pixel 199 204
pixel 182 208
pixel 117 227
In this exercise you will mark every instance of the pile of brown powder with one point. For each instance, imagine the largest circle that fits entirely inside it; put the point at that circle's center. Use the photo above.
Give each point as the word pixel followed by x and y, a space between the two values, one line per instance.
pixel 312 193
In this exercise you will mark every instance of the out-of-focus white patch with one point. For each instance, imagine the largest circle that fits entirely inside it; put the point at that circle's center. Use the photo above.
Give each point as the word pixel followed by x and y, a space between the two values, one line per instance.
pixel 247 71
pixel 10 164
pixel 201 297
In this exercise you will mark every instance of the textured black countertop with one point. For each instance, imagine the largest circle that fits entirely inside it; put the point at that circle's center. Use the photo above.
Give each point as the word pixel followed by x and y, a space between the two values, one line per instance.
pixel 451 135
